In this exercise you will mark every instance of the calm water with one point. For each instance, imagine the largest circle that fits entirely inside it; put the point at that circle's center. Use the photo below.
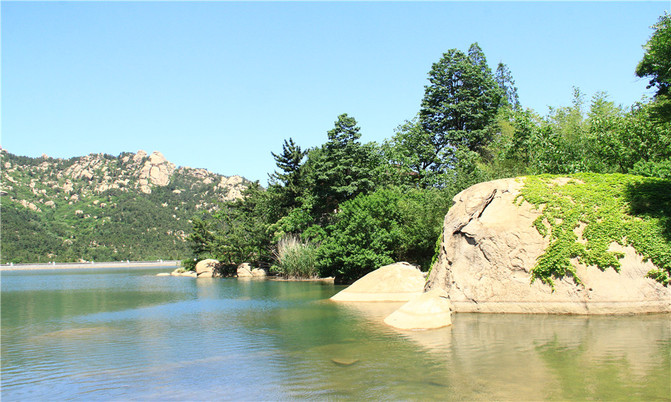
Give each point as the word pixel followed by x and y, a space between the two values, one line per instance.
pixel 127 334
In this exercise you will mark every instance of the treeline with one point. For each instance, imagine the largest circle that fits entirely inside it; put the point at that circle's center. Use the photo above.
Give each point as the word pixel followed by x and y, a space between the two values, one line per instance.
pixel 346 207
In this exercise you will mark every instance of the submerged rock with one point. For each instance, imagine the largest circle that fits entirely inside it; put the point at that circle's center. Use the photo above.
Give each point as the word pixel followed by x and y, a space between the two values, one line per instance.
pixel 396 282
pixel 344 362
pixel 490 246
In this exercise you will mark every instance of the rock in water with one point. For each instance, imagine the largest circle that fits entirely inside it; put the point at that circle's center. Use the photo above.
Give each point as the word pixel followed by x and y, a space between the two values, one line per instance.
pixel 490 246
pixel 396 282
pixel 259 272
pixel 244 270
pixel 428 311
pixel 207 268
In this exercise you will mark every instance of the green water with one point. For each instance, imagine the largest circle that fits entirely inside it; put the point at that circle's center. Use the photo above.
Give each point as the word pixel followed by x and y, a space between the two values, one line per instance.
pixel 127 334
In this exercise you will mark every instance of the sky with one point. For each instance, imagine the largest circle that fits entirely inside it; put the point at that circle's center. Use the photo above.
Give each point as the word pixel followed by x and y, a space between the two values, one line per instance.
pixel 221 85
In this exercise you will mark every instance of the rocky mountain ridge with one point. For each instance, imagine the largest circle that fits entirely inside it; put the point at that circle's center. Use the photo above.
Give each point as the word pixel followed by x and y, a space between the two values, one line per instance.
pixel 93 206
pixel 47 178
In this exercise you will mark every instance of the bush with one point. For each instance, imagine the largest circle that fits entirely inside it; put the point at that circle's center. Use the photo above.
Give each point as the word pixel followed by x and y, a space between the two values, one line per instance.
pixel 386 226
pixel 660 169
pixel 296 259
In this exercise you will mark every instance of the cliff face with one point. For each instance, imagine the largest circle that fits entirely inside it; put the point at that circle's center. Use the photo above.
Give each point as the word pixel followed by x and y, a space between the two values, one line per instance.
pixel 104 207
pixel 491 246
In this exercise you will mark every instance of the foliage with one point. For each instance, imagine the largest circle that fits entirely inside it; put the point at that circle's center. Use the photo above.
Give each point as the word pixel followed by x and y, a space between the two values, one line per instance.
pixel 288 181
pixel 504 79
pixel 661 169
pixel 608 139
pixel 413 158
pixel 390 224
pixel 362 237
pixel 656 64
pixel 624 209
pixel 296 258
pixel 237 232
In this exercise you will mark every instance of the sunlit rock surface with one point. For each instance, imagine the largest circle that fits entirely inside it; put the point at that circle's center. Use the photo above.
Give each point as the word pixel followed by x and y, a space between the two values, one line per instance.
pixel 396 282
pixel 490 246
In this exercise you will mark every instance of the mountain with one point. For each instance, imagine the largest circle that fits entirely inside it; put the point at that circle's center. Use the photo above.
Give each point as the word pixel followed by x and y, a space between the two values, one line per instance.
pixel 101 207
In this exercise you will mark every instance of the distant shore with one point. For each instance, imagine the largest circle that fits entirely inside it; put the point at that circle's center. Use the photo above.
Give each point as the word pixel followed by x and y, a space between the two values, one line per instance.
pixel 91 265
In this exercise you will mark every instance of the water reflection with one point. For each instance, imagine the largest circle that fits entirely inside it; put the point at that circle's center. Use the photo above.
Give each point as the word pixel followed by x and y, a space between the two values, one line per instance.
pixel 534 357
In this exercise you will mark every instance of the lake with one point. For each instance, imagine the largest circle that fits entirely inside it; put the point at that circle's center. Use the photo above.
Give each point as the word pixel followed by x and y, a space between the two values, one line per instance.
pixel 103 334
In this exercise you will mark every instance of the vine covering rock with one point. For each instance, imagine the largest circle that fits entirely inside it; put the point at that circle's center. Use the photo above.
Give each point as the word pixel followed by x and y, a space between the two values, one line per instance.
pixel 585 213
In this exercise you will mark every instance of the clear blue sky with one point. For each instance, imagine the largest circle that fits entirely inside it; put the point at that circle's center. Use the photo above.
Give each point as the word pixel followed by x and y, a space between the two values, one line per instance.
pixel 219 85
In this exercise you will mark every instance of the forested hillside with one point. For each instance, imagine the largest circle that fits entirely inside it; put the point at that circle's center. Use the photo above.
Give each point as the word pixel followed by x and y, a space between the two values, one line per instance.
pixel 102 207
pixel 347 207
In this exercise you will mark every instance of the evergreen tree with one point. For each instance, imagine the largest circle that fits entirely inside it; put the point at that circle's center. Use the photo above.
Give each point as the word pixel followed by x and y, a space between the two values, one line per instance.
pixel 460 102
pixel 339 170
pixel 504 79
pixel 287 183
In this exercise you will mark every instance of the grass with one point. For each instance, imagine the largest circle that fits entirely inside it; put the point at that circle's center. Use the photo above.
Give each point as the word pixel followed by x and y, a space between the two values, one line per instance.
pixel 296 259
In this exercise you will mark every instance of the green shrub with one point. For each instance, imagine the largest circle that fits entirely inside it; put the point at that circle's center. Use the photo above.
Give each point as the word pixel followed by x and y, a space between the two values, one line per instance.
pixel 661 169
pixel 295 258
pixel 386 226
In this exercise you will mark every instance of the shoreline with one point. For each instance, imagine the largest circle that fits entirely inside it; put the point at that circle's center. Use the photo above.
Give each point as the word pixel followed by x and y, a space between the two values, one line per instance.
pixel 91 265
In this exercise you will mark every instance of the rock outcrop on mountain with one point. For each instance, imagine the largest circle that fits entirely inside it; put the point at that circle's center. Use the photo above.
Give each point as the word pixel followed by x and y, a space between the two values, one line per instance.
pixel 104 207
pixel 48 180
pixel 490 246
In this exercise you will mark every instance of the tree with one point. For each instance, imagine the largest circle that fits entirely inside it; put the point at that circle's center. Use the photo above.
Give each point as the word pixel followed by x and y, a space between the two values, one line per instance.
pixel 412 157
pixel 460 101
pixel 387 225
pixel 340 169
pixel 287 183
pixel 504 79
pixel 656 64
pixel 289 162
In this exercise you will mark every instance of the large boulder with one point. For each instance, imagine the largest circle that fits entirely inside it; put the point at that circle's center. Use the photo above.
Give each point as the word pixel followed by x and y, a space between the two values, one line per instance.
pixel 428 311
pixel 396 282
pixel 259 273
pixel 244 270
pixel 207 268
pixel 490 246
